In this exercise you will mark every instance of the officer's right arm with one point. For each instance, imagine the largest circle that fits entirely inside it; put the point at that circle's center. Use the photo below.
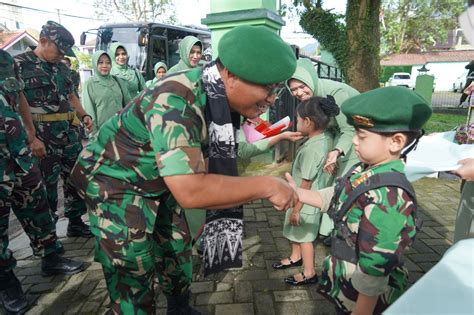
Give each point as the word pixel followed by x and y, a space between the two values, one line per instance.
pixel 37 147
pixel 211 191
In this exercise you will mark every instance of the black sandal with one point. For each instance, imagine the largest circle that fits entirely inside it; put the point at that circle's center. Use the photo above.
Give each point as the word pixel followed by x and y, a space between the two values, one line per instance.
pixel 291 280
pixel 280 265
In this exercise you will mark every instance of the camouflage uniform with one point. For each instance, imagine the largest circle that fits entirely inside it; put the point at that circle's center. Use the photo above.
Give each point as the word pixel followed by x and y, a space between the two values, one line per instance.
pixel 47 90
pixel 76 81
pixel 132 215
pixel 381 224
pixel 21 185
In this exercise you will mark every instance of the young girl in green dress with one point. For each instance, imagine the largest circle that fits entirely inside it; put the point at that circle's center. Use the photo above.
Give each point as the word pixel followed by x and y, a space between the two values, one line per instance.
pixel 302 222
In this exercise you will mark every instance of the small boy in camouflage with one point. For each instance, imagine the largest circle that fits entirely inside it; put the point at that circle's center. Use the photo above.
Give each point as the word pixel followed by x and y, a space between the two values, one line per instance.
pixel 380 224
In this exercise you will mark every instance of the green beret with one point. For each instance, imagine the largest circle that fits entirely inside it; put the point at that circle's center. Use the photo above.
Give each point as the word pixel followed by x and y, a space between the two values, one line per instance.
pixel 59 35
pixel 388 109
pixel 257 55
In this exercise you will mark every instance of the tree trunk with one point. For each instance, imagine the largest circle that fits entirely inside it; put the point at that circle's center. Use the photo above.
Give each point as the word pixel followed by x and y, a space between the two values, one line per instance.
pixel 363 35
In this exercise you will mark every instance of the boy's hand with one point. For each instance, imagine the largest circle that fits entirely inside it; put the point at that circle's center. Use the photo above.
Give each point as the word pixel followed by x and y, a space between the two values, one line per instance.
pixel 295 218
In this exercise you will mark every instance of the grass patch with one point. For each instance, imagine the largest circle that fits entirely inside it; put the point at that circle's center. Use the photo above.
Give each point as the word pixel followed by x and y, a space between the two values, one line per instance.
pixel 443 122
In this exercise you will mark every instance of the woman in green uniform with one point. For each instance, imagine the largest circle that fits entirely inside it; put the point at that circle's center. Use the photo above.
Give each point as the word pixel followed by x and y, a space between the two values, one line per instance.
pixel 190 52
pixel 121 69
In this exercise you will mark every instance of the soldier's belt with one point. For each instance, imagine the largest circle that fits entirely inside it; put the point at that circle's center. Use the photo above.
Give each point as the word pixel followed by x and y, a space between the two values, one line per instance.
pixel 69 116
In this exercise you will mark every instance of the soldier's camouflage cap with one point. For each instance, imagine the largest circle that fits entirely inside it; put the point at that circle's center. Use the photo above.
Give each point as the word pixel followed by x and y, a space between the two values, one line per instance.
pixel 59 35
pixel 9 81
pixel 389 109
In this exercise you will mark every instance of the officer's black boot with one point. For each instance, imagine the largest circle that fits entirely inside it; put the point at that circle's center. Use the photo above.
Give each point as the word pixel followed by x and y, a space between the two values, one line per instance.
pixel 77 228
pixel 179 305
pixel 11 294
pixel 54 264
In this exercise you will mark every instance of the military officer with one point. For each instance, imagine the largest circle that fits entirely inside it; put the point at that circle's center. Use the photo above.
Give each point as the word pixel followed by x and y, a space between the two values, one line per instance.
pixel 54 108
pixel 148 159
pixel 22 190
pixel 373 205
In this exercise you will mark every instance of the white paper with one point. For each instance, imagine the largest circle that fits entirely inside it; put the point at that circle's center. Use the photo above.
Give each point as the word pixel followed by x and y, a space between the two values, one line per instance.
pixel 436 153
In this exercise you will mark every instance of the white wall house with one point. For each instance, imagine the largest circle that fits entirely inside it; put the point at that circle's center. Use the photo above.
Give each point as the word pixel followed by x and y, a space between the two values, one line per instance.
pixel 16 42
pixel 445 66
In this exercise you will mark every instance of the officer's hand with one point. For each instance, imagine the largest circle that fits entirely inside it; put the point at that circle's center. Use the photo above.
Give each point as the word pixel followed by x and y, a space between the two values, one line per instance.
pixel 37 148
pixel 283 196
pixel 293 136
pixel 295 218
pixel 330 165
pixel 87 120
pixel 466 170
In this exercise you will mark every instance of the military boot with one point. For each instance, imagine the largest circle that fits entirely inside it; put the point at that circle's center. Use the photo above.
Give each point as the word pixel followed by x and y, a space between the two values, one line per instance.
pixel 179 305
pixel 54 264
pixel 77 228
pixel 11 294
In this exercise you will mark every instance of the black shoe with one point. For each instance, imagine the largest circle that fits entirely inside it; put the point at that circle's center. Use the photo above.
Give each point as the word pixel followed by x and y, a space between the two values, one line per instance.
pixel 12 297
pixel 179 305
pixel 279 265
pixel 291 280
pixel 54 264
pixel 77 228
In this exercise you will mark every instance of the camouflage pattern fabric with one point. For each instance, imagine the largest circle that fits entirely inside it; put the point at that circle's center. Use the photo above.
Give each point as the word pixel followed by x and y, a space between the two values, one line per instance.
pixel 21 187
pixel 382 226
pixel 120 173
pixel 47 90
pixel 76 81
pixel 59 35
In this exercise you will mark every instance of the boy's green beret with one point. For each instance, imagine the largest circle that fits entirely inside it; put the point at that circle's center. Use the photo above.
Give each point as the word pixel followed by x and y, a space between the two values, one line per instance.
pixel 257 55
pixel 388 109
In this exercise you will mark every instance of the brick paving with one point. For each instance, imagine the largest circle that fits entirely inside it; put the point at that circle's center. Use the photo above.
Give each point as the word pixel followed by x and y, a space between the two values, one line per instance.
pixel 254 289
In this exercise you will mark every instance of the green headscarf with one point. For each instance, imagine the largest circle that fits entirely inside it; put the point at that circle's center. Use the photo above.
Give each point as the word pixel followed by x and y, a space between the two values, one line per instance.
pixel 306 73
pixel 102 79
pixel 185 47
pixel 135 81
pixel 157 66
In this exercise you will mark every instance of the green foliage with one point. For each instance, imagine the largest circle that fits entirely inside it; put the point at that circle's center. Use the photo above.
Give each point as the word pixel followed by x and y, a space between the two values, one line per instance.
pixel 416 25
pixel 387 71
pixel 443 122
pixel 162 11
pixel 329 29
pixel 85 60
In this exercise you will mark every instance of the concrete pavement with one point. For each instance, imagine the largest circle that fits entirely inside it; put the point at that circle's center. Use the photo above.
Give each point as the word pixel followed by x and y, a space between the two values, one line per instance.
pixel 254 289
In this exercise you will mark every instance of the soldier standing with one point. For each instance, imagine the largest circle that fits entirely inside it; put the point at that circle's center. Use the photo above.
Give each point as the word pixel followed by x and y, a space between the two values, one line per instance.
pixel 22 190
pixel 75 77
pixel 373 205
pixel 148 159
pixel 50 94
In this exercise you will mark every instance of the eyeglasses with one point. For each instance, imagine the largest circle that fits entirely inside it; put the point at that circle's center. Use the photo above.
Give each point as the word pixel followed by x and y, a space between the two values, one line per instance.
pixel 274 89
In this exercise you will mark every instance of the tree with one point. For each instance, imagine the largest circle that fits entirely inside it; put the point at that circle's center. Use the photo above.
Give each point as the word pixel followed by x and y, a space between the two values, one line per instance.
pixel 162 11
pixel 354 41
pixel 416 25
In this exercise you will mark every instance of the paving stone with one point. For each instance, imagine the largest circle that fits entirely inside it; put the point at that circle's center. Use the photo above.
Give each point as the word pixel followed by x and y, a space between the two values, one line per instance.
pixel 41 287
pixel 234 309
pixel 436 241
pixel 432 257
pixel 243 291
pixel 253 275
pixel 223 287
pixel 35 279
pixel 285 308
pixel 215 298
pixel 264 303
pixel 431 232
pixel 90 307
pixel 200 287
pixel 266 237
pixel 291 295
pixel 260 217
